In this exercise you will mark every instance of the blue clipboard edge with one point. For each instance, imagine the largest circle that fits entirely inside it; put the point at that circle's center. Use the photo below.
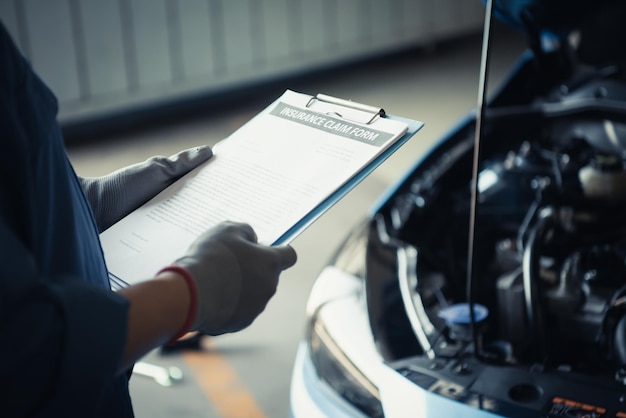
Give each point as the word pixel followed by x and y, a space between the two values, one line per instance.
pixel 413 127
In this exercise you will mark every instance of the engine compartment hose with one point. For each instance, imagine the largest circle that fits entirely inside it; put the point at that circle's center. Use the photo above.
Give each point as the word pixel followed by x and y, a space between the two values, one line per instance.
pixel 532 295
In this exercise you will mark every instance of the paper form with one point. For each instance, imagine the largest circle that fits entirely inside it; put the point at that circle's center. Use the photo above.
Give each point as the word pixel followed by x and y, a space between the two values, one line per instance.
pixel 270 173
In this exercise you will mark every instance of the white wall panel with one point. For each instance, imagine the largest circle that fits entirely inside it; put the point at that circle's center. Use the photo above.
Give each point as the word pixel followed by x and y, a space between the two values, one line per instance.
pixel 197 46
pixel 51 46
pixel 104 47
pixel 103 57
pixel 151 42
pixel 352 23
pixel 279 37
pixel 385 24
pixel 316 28
pixel 469 14
pixel 444 17
pixel 239 34
pixel 416 21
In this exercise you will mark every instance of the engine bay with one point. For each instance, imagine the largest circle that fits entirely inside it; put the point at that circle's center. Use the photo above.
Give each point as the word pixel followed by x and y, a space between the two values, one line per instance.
pixel 539 326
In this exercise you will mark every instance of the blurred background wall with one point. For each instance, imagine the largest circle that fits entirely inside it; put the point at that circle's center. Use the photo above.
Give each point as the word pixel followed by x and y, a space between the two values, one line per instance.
pixel 104 58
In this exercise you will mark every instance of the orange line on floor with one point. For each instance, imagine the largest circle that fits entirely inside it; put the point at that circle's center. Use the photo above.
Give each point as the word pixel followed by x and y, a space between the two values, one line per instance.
pixel 221 385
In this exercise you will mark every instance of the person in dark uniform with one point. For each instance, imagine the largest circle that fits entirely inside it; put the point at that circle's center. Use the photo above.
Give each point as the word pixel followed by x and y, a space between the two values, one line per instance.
pixel 67 341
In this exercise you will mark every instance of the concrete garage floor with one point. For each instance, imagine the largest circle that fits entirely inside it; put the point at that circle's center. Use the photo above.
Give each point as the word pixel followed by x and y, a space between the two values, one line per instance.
pixel 247 374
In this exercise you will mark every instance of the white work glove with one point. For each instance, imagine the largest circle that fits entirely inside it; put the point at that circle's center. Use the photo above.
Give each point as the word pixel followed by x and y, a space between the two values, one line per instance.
pixel 234 277
pixel 115 195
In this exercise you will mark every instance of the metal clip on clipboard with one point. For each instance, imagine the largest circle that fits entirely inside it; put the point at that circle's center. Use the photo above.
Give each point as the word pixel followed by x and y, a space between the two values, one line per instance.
pixel 371 113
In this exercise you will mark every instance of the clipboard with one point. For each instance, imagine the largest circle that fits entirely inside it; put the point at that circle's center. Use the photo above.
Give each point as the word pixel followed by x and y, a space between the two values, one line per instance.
pixel 373 112
pixel 279 172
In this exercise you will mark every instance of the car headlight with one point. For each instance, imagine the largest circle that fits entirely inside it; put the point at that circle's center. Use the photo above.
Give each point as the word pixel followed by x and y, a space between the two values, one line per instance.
pixel 338 371
pixel 338 326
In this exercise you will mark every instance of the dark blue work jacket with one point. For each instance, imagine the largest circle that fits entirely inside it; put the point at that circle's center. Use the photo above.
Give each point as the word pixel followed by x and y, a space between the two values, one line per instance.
pixel 62 330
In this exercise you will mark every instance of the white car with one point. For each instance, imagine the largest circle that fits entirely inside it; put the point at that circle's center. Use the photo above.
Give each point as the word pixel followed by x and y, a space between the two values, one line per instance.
pixel 400 326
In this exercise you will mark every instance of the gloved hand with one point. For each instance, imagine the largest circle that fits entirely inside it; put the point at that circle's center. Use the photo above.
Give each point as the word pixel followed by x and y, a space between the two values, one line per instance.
pixel 234 277
pixel 115 195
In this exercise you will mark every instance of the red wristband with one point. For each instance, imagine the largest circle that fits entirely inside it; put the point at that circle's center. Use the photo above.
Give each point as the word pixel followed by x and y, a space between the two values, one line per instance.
pixel 193 300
